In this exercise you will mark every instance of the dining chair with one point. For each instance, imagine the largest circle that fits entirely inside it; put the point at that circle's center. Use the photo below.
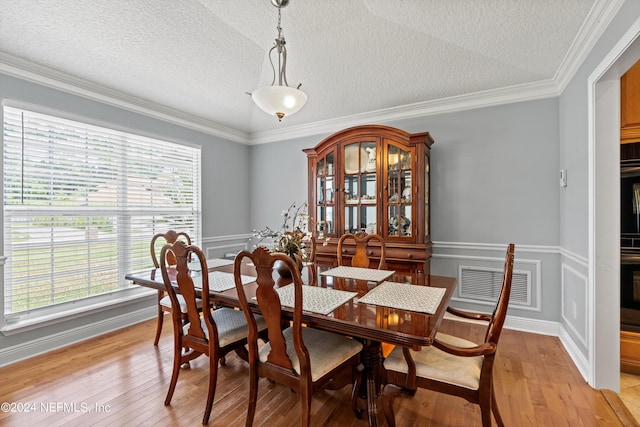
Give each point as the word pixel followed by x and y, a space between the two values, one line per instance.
pixel 164 302
pixel 453 365
pixel 310 259
pixel 363 252
pixel 213 333
pixel 301 358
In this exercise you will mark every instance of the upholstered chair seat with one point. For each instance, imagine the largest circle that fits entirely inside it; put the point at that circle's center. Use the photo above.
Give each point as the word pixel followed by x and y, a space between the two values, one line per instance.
pixel 326 350
pixel 166 302
pixel 439 365
pixel 232 325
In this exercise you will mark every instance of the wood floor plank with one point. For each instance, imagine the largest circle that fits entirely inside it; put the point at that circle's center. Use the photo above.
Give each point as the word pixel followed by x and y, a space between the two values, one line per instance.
pixel 122 379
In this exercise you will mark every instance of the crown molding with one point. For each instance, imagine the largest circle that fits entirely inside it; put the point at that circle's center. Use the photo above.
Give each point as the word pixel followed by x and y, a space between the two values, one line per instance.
pixel 506 95
pixel 20 68
pixel 600 16
pixel 45 76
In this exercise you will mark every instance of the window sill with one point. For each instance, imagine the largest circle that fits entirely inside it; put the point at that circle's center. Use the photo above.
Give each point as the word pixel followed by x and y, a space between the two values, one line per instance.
pixel 44 318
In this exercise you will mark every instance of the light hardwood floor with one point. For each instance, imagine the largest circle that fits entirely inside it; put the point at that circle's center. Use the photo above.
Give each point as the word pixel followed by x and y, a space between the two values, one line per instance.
pixel 121 379
pixel 630 393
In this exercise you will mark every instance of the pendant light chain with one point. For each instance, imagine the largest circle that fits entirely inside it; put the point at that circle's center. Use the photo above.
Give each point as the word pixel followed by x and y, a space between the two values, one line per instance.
pixel 282 53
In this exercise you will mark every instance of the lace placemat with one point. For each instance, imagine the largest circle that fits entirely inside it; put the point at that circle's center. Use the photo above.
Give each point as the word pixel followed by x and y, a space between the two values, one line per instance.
pixel 219 281
pixel 405 296
pixel 211 263
pixel 315 299
pixel 368 274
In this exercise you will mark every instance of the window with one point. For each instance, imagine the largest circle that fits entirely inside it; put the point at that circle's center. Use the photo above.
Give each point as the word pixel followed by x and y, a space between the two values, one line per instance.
pixel 81 204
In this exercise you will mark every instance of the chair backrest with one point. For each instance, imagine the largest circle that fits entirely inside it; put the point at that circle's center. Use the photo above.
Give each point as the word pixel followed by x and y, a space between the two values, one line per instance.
pixel 500 311
pixel 170 237
pixel 185 283
pixel 362 250
pixel 271 310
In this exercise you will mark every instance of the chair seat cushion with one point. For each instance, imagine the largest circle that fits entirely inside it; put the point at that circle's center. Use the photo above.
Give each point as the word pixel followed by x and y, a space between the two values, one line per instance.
pixel 438 365
pixel 166 302
pixel 232 325
pixel 326 350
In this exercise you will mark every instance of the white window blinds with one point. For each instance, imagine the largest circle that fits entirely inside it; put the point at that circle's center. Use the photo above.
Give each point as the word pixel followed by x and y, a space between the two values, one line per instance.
pixel 81 204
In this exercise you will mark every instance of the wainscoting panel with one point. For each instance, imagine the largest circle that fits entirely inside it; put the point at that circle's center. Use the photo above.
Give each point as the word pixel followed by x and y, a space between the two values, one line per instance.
pixel 224 246
pixel 479 268
pixel 574 294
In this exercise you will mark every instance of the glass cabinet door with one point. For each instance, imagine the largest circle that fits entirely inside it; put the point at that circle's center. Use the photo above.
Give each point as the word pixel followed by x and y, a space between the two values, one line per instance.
pixel 399 192
pixel 360 187
pixel 325 195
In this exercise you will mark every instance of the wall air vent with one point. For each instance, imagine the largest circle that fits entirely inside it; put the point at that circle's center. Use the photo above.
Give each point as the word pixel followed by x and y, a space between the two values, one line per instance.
pixel 483 285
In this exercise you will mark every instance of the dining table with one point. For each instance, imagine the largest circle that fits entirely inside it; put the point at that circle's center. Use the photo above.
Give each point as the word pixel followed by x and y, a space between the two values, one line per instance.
pixel 370 305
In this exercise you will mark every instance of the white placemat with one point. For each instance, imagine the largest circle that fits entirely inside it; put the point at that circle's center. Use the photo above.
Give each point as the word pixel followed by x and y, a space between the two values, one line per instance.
pixel 211 263
pixel 405 296
pixel 315 299
pixel 219 281
pixel 368 274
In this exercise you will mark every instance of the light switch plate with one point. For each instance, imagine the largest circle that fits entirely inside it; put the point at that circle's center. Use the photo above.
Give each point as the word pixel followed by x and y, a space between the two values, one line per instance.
pixel 563 177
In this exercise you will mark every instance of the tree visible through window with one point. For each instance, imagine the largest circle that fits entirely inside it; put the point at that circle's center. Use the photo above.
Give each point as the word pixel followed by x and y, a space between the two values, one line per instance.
pixel 81 204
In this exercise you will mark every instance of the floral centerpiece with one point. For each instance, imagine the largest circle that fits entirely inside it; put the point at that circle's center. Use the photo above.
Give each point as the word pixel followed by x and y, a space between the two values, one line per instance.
pixel 292 238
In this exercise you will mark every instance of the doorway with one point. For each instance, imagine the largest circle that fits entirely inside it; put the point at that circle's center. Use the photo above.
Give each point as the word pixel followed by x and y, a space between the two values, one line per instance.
pixel 603 103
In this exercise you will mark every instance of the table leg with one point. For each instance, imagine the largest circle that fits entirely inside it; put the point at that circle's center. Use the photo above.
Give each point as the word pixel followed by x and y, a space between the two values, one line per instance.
pixel 371 378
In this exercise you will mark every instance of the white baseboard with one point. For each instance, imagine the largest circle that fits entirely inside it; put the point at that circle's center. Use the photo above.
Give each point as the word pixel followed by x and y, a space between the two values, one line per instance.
pixel 52 342
pixel 579 359
pixel 542 327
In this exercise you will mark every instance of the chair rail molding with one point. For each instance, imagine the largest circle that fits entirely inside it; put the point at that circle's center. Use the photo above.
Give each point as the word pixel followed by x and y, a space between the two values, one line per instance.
pixel 213 239
pixel 222 246
pixel 550 249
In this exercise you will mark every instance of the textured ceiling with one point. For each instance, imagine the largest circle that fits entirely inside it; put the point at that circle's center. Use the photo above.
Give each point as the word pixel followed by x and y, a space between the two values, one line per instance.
pixel 200 57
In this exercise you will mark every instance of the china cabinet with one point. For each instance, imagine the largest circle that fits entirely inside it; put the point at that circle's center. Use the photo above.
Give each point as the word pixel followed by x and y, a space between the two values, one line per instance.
pixel 375 179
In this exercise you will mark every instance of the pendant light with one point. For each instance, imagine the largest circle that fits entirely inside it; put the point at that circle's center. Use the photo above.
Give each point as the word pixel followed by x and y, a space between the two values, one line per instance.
pixel 279 99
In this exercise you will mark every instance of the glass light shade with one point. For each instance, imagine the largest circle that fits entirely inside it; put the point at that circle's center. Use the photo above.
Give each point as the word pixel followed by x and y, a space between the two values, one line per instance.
pixel 279 101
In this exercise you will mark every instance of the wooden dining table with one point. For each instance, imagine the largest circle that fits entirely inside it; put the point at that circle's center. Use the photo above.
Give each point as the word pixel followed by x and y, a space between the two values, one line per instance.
pixel 369 323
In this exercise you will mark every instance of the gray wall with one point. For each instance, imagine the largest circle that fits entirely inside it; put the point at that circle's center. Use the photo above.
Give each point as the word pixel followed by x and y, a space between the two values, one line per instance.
pixel 278 179
pixel 494 174
pixel 225 205
pixel 494 178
